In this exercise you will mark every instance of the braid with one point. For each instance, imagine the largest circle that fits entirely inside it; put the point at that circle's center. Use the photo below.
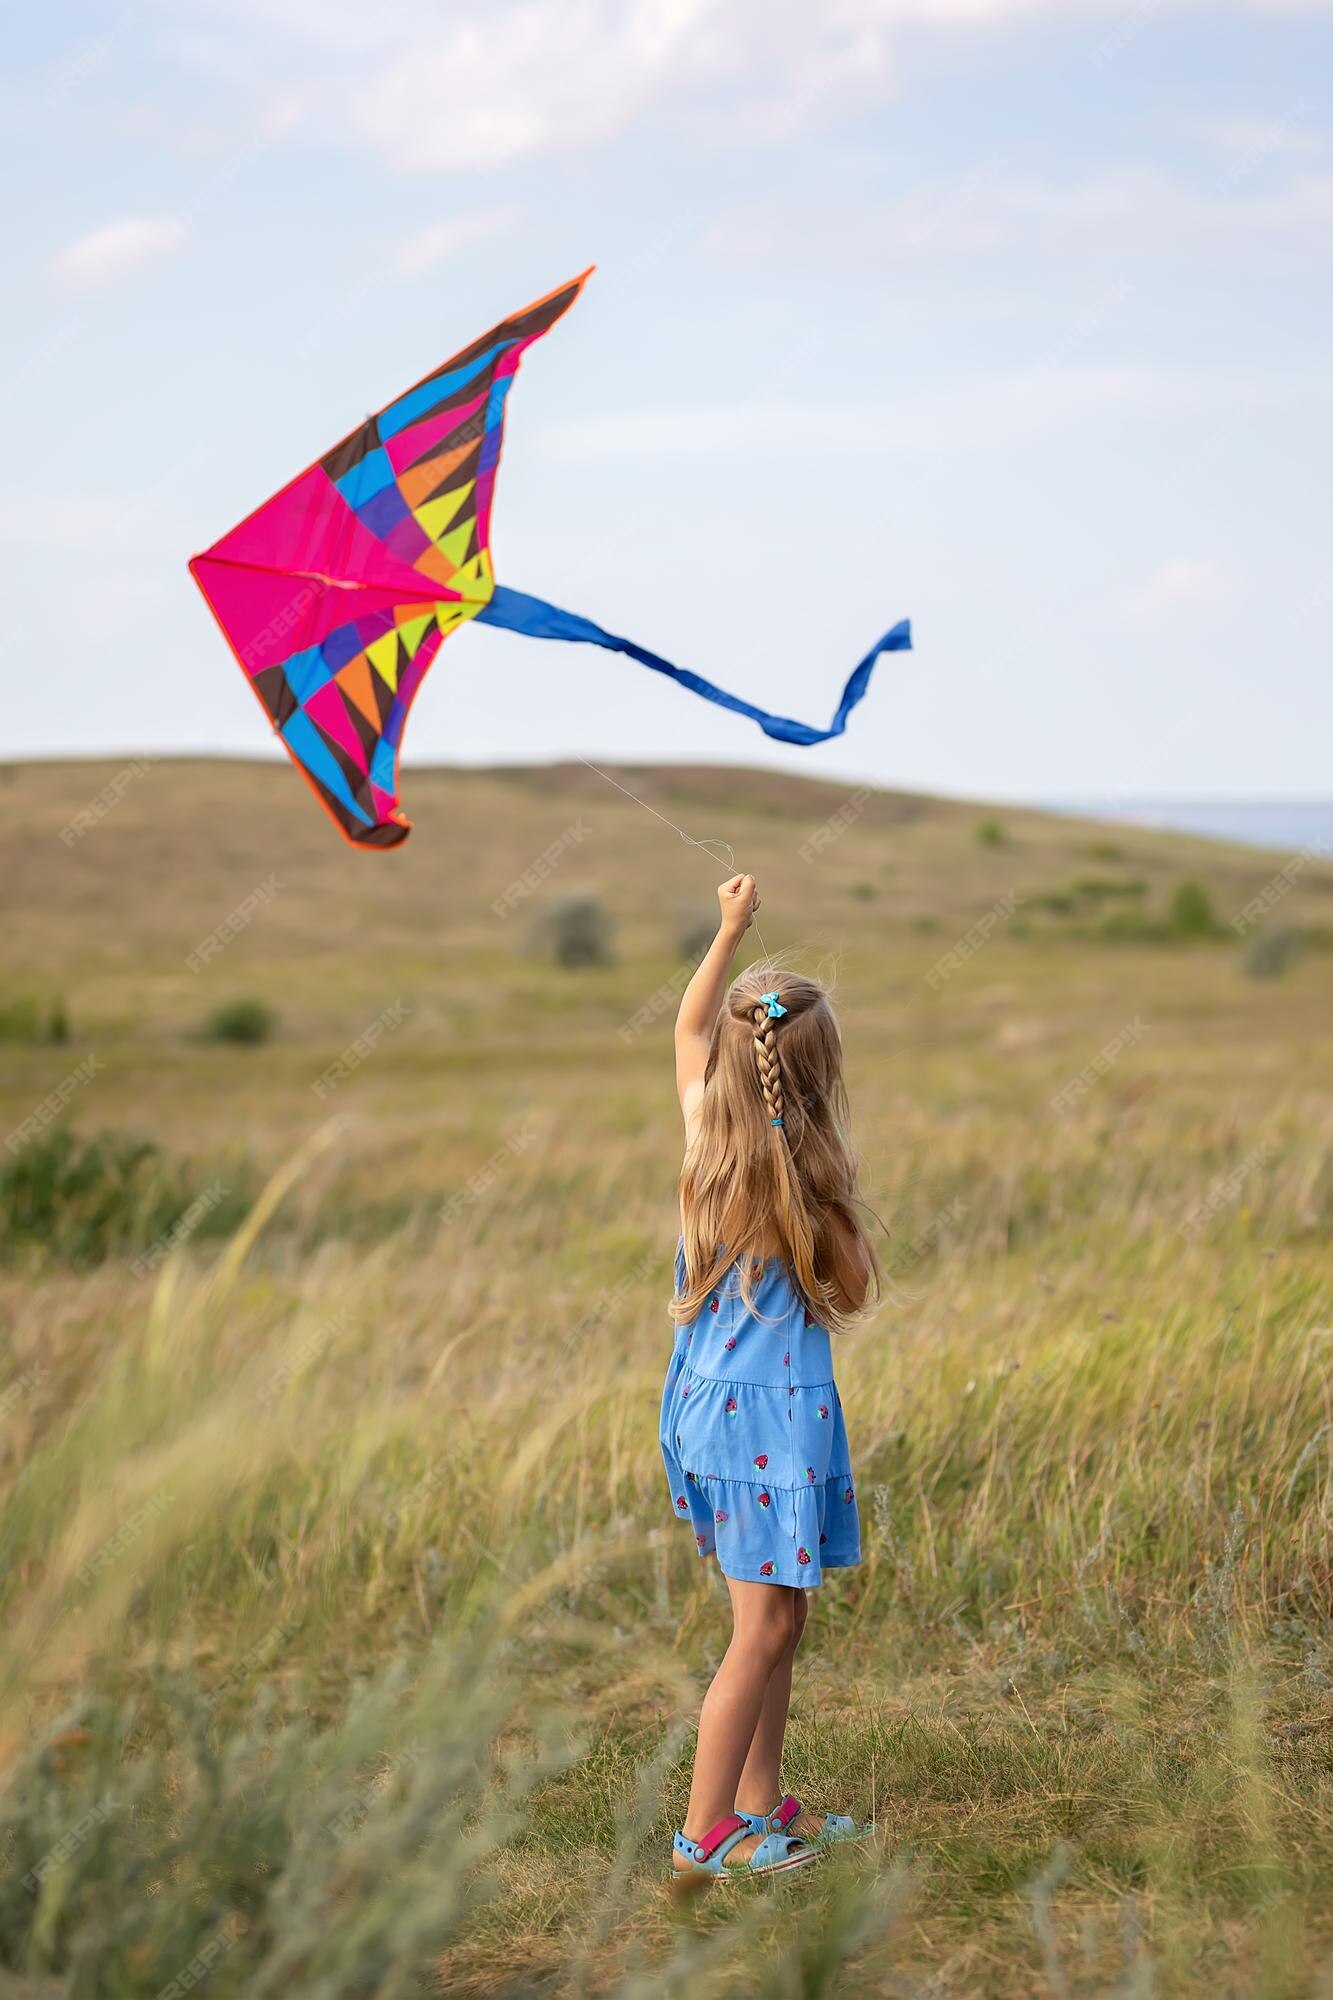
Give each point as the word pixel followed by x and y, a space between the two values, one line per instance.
pixel 770 1066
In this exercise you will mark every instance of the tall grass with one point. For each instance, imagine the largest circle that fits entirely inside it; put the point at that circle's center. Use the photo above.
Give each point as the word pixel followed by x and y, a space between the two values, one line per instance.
pixel 373 1651
pixel 347 1646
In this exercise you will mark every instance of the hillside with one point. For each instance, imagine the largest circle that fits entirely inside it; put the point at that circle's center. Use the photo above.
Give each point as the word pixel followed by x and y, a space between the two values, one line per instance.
pixel 335 1547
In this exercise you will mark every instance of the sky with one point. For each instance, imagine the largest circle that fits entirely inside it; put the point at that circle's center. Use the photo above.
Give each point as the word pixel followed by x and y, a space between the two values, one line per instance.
pixel 1010 316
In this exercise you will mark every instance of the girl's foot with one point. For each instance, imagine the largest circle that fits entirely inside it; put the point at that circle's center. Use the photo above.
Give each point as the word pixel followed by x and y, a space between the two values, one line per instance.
pixel 790 1816
pixel 736 1846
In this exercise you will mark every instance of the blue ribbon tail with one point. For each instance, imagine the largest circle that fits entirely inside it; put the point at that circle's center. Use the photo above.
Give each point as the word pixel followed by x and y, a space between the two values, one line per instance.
pixel 517 612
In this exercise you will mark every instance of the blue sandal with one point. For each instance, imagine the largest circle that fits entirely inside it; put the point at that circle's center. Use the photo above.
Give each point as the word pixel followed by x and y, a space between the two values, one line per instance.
pixel 837 1826
pixel 775 1855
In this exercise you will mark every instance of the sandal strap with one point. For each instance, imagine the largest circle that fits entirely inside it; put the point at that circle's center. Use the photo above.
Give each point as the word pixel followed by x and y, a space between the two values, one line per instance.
pixel 728 1829
pixel 785 1811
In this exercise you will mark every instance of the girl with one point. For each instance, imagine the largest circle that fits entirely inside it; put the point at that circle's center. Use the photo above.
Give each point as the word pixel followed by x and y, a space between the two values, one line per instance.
pixel 773 1257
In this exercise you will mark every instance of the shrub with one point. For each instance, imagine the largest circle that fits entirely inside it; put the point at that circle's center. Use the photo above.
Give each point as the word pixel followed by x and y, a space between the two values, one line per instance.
pixel 990 833
pixel 1190 913
pixel 577 931
pixel 22 1020
pixel 864 892
pixel 1100 887
pixel 1270 953
pixel 245 1022
pixel 1102 850
pixel 84 1200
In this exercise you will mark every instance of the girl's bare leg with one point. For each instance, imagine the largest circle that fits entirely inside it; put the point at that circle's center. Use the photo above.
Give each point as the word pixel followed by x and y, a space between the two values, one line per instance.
pixel 763 1623
pixel 760 1784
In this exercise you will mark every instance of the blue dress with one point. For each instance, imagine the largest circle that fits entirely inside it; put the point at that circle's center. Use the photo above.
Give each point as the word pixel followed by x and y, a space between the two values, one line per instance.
pixel 753 1438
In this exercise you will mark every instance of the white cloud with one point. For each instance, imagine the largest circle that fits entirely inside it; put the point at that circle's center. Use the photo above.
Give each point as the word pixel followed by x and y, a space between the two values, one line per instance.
pixel 117 250
pixel 485 84
pixel 537 79
pixel 1180 583
pixel 441 240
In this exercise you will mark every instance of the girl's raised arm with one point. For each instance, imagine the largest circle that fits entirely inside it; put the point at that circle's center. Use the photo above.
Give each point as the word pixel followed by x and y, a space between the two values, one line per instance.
pixel 701 1002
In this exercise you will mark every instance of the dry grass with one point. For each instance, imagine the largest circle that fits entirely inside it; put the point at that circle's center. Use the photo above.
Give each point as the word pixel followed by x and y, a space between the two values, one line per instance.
pixel 393 1671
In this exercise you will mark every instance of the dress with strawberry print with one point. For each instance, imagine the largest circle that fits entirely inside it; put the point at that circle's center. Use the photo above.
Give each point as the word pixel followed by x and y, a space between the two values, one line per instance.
pixel 753 1439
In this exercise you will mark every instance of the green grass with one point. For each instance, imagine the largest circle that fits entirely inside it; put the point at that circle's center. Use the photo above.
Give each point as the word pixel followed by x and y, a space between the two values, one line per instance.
pixel 334 1554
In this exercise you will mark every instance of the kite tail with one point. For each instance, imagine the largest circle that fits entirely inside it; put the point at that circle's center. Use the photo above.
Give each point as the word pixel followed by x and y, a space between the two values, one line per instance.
pixel 517 612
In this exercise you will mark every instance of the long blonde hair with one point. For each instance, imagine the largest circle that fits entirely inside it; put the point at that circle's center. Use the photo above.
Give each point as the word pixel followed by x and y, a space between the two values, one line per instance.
pixel 769 1161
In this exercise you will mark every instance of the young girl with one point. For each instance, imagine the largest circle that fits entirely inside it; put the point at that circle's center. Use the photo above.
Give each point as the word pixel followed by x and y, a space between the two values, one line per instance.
pixel 773 1257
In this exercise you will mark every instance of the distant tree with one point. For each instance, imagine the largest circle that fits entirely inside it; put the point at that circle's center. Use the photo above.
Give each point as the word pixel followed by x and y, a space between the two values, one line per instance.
pixel 1191 914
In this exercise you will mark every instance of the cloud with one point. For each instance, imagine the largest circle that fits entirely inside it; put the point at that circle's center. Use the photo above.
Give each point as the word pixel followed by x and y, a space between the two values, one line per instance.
pixel 1180 583
pixel 486 84
pixel 117 250
pixel 535 79
pixel 441 240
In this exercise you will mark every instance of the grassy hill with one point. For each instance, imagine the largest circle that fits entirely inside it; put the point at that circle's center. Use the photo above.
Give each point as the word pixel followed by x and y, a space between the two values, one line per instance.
pixel 408 1414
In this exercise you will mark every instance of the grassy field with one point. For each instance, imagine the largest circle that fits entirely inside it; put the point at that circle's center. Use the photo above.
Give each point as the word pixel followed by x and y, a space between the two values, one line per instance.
pixel 348 1649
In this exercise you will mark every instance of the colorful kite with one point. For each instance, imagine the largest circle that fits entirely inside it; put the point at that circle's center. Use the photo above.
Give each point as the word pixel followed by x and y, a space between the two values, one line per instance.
pixel 337 594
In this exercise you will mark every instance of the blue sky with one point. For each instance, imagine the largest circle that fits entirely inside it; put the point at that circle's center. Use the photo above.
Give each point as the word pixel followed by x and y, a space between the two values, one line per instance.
pixel 1008 315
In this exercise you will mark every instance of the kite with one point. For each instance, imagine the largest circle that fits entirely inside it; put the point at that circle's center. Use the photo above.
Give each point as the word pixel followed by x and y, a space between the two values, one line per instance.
pixel 337 594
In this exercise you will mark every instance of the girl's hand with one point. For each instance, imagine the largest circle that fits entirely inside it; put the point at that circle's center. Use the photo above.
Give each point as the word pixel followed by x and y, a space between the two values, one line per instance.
pixel 738 900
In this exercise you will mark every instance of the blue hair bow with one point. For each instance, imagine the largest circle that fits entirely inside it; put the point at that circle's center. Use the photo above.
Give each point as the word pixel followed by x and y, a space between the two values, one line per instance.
pixel 774 1005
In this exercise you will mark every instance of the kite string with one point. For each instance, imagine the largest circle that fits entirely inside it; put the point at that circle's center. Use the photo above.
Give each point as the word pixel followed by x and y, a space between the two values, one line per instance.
pixel 707 844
